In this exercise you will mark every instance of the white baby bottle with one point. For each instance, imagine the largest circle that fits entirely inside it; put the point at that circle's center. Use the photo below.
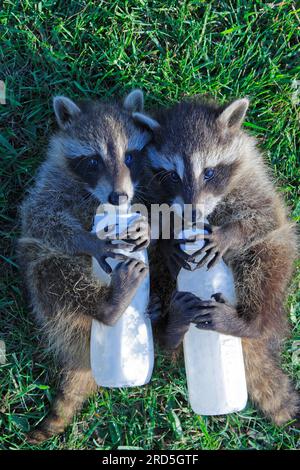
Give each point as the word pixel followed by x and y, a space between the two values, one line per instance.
pixel 122 355
pixel 213 361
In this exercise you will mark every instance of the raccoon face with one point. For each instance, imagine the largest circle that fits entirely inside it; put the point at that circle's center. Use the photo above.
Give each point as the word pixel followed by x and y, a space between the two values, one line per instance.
pixel 195 155
pixel 101 145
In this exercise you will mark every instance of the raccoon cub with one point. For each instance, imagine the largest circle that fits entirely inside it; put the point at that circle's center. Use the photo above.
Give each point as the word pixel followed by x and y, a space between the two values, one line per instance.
pixel 87 164
pixel 201 156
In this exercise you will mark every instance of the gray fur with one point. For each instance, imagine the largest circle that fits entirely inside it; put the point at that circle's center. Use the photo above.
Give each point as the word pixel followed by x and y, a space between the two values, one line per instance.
pixel 65 110
pixel 233 115
pixel 55 248
pixel 146 121
pixel 134 102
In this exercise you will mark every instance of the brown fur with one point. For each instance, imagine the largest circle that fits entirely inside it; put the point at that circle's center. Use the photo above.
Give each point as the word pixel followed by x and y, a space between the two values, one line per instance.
pixel 57 212
pixel 250 227
pixel 62 294
pixel 262 275
pixel 76 386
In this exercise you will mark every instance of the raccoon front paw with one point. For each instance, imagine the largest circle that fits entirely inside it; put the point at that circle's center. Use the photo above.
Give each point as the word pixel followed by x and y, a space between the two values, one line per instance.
pixel 175 257
pixel 98 246
pixel 104 248
pixel 127 276
pixel 181 313
pixel 184 309
pixel 137 235
pixel 216 314
pixel 37 436
pixel 217 243
pixel 125 281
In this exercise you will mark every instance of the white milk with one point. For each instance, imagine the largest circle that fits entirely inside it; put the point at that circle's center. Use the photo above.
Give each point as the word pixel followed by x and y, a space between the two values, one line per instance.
pixel 122 355
pixel 213 361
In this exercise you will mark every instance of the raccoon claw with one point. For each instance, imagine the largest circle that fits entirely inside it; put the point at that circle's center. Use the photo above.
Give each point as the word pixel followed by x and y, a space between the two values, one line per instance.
pixel 137 235
pixel 113 245
pixel 215 314
pixel 211 258
pixel 140 244
pixel 217 242
pixel 128 274
pixel 125 281
pixel 154 311
pixel 109 254
pixel 186 308
pixel 215 260
pixel 176 258
pixel 183 308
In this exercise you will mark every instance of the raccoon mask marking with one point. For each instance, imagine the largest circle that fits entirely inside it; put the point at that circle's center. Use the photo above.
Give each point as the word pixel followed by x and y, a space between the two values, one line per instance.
pixel 197 152
pixel 100 145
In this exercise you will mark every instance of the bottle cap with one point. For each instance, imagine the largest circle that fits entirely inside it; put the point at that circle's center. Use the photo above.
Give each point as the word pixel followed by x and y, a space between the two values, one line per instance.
pixel 112 216
pixel 193 246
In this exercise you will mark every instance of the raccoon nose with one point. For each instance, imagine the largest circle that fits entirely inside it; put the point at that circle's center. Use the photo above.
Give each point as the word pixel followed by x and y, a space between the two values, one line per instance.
pixel 116 198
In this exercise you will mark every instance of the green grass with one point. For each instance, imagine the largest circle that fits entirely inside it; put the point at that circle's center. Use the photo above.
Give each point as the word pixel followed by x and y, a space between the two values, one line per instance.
pixel 170 49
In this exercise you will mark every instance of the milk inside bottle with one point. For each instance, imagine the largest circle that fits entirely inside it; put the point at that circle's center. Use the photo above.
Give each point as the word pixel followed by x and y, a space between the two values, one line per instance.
pixel 122 355
pixel 213 361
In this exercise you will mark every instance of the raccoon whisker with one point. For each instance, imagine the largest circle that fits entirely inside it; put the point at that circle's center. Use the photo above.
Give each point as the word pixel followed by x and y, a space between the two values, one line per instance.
pixel 162 179
pixel 139 191
pixel 157 175
pixel 140 197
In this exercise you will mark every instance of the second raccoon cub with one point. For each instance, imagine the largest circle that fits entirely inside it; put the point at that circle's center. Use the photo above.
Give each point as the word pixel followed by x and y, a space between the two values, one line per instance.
pixel 87 164
pixel 201 156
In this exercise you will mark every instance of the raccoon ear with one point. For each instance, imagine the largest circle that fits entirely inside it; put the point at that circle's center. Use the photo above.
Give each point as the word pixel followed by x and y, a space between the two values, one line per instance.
pixel 134 101
pixel 65 110
pixel 146 121
pixel 234 114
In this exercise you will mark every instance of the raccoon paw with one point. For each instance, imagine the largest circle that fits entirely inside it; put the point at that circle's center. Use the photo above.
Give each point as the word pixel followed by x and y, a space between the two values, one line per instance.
pixel 181 313
pixel 137 235
pixel 216 314
pixel 217 242
pixel 126 278
pixel 175 257
pixel 125 281
pixel 183 309
pixel 38 435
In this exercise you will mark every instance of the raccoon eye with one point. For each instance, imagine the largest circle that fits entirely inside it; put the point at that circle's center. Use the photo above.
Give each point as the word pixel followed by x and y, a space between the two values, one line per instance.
pixel 92 163
pixel 209 173
pixel 174 177
pixel 128 159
